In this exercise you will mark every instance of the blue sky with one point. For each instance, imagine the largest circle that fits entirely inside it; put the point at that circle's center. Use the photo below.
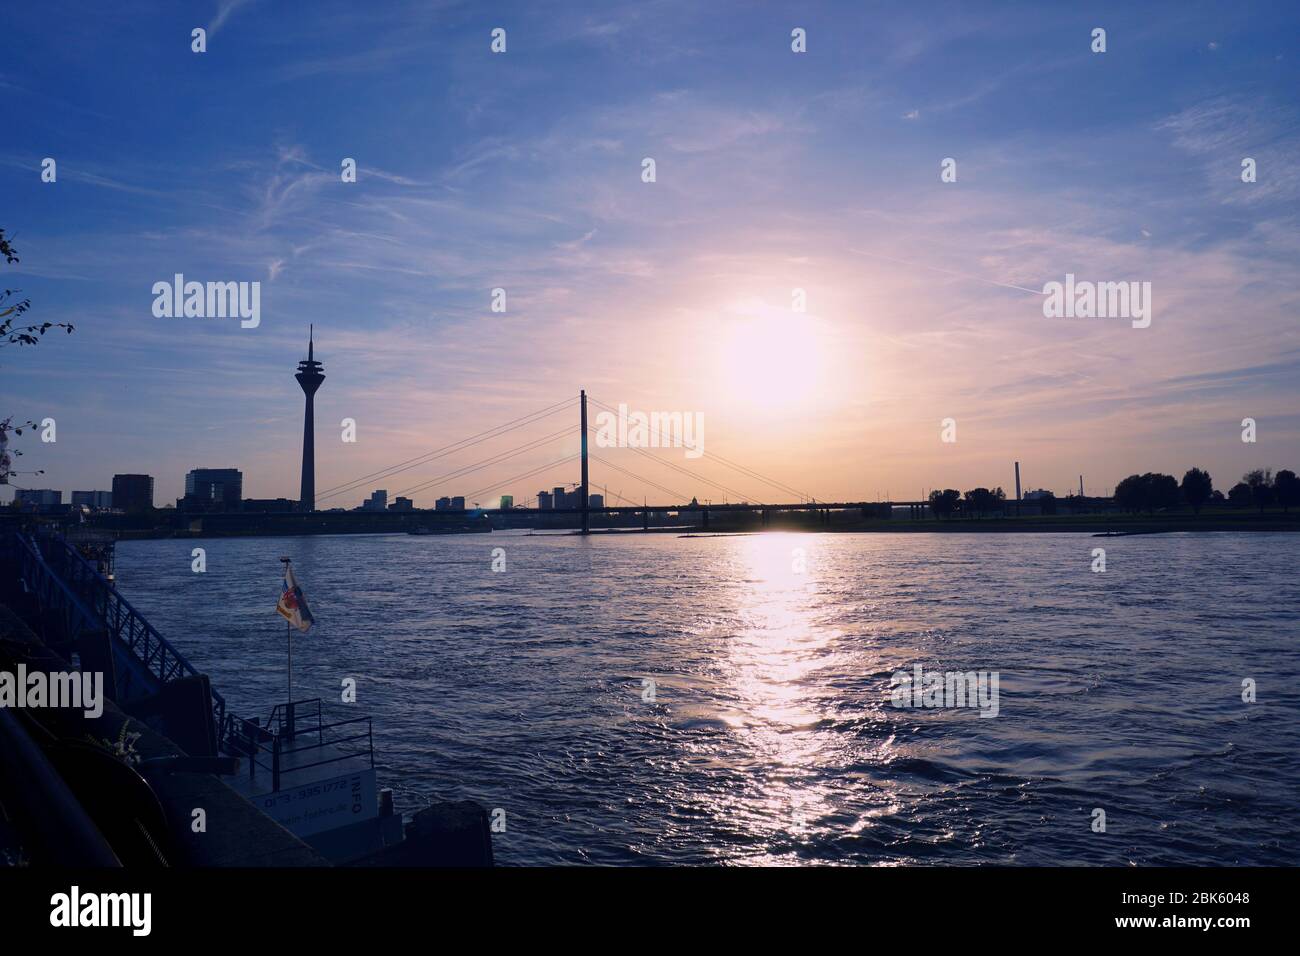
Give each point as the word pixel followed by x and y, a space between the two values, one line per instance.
pixel 775 170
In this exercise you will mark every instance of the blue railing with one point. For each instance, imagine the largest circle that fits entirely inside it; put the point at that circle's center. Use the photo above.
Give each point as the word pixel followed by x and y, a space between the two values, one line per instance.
pixel 63 579
pixel 50 590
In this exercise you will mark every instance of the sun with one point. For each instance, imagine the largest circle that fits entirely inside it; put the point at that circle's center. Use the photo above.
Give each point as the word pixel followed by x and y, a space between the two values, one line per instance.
pixel 770 358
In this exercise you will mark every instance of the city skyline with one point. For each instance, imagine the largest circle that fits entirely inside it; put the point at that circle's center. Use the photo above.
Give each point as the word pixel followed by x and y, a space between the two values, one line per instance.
pixel 756 435
pixel 776 171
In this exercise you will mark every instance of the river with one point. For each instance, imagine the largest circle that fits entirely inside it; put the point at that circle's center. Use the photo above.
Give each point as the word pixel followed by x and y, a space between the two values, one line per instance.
pixel 654 699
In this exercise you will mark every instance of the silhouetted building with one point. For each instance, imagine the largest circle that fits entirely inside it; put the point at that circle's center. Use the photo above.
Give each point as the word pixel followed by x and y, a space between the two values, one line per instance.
pixel 442 504
pixel 269 505
pixel 458 503
pixel 402 504
pixel 507 502
pixel 566 499
pixel 94 500
pixel 212 489
pixel 310 375
pixel 132 492
pixel 595 501
pixel 40 500
pixel 378 501
pixel 544 501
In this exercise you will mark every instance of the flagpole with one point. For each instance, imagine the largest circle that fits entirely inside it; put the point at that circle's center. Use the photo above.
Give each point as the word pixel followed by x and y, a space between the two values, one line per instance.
pixel 288 644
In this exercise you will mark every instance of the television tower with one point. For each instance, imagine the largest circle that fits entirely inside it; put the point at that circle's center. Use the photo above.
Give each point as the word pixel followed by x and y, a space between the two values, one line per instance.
pixel 310 375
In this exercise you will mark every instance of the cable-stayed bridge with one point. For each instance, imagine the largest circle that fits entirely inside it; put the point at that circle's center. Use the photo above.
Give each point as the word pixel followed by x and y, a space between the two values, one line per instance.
pixel 784 497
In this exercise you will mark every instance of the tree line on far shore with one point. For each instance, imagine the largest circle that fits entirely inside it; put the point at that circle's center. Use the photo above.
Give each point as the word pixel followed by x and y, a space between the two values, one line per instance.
pixel 1150 492
pixel 1154 492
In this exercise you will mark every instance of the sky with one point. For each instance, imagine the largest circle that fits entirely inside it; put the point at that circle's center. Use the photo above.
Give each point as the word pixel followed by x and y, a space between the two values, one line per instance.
pixel 774 171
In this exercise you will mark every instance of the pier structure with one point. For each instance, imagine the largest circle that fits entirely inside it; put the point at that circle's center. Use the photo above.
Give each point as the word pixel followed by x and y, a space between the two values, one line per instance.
pixel 120 788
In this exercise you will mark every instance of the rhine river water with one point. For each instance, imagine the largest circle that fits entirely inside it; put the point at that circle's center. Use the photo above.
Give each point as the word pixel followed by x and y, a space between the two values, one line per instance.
pixel 771 736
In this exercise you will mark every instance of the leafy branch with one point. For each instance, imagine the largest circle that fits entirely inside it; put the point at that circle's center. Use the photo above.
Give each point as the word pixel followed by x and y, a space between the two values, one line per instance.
pixel 11 310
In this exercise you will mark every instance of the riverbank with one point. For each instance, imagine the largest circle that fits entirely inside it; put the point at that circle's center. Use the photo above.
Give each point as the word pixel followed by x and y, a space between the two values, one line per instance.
pixel 694 523
pixel 1093 524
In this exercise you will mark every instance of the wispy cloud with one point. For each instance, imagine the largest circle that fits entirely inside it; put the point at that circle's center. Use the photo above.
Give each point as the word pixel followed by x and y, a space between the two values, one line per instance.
pixel 1222 132
pixel 225 9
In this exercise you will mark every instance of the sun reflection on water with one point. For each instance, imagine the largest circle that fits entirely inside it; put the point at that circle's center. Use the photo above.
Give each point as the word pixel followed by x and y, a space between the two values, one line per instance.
pixel 772 662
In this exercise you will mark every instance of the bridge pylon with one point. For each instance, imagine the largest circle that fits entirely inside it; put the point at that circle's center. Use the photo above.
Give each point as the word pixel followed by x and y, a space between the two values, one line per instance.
pixel 586 515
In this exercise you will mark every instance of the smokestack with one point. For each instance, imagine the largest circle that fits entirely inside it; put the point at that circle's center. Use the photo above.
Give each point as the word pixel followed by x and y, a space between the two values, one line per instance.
pixel 1081 486
pixel 1017 489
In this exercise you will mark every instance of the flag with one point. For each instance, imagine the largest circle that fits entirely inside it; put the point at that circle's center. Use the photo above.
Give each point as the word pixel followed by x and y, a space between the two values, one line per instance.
pixel 293 604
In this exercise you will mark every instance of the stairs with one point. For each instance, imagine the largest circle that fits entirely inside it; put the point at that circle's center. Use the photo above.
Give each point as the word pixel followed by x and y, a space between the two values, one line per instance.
pixel 81 616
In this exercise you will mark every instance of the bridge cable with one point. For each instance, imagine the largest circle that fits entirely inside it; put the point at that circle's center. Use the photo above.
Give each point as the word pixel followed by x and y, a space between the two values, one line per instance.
pixel 527 474
pixel 668 491
pixel 749 472
pixel 690 474
pixel 464 443
pixel 491 460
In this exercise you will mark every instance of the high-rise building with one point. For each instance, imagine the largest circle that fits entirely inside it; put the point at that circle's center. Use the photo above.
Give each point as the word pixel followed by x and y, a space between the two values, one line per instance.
pixel 133 492
pixel 442 504
pixel 458 503
pixel 310 375
pixel 213 489
pixel 402 504
pixel 38 499
pixel 95 500
pixel 544 501
pixel 378 501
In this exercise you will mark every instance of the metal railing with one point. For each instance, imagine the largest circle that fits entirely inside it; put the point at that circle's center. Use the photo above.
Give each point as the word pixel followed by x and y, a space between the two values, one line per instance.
pixel 269 746
pixel 50 590
pixel 64 580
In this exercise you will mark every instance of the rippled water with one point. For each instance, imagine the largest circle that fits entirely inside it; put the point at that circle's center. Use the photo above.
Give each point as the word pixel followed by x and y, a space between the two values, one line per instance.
pixel 772 738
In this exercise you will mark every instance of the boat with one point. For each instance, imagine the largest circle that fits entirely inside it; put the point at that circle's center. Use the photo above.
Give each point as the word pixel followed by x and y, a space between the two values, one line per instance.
pixel 301 782
pixel 97 547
